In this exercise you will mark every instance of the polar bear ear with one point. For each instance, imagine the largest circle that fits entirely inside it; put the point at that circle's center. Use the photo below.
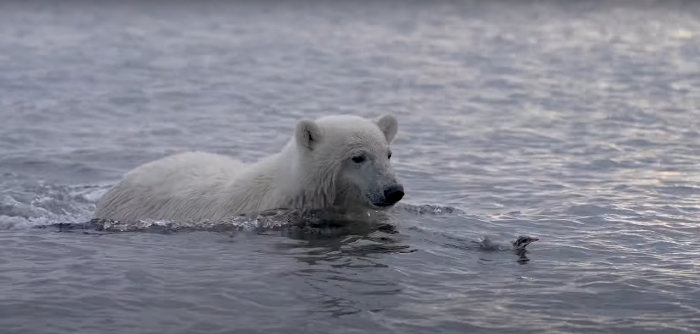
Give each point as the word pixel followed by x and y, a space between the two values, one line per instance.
pixel 307 134
pixel 389 125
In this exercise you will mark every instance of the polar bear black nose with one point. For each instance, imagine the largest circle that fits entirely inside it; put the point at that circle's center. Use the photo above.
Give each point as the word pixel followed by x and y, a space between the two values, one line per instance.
pixel 393 194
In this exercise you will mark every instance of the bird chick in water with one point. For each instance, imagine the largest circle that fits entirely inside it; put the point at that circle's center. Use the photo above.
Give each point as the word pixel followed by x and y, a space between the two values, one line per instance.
pixel 517 245
pixel 522 242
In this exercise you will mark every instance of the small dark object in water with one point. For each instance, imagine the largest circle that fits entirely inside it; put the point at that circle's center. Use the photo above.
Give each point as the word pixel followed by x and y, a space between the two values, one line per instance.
pixel 523 241
pixel 519 247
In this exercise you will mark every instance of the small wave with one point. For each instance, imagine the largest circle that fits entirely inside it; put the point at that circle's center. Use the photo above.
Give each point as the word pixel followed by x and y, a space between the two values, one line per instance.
pixel 24 205
pixel 276 219
pixel 68 208
pixel 488 244
pixel 267 220
pixel 431 209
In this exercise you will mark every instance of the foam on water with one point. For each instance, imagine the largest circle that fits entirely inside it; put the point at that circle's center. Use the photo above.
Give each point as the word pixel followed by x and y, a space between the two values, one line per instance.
pixel 571 121
pixel 70 208
pixel 22 205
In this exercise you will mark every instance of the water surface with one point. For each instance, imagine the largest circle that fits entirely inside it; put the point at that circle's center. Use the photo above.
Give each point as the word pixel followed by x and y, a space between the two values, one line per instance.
pixel 575 122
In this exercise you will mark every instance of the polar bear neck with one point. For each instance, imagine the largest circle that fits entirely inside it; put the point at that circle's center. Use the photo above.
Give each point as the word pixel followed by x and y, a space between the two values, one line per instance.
pixel 285 180
pixel 304 183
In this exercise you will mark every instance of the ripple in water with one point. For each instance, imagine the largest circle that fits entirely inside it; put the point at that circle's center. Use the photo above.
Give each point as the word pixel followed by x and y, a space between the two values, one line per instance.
pixel 578 127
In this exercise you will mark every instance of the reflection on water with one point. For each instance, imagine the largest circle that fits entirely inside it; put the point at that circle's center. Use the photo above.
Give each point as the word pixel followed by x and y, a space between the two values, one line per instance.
pixel 574 122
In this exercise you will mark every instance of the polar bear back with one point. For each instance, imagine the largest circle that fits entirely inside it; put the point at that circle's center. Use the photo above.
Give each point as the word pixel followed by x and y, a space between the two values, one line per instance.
pixel 187 185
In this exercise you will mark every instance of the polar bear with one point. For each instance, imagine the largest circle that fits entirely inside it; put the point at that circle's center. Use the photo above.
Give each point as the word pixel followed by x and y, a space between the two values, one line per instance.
pixel 339 162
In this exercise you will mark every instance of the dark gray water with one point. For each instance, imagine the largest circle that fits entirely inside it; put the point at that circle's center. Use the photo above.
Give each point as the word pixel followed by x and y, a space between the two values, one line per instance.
pixel 576 123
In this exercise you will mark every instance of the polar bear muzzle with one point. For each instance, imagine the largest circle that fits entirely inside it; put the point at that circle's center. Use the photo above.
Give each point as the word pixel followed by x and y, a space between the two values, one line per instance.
pixel 393 194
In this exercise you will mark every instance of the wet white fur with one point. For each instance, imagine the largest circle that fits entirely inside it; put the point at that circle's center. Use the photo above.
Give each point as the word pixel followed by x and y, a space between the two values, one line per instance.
pixel 314 170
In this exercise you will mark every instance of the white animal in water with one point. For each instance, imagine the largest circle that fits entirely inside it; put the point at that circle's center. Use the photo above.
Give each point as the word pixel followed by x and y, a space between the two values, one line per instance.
pixel 339 162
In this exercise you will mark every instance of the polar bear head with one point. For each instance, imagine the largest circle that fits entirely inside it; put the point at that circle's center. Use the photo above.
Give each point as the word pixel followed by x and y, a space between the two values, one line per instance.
pixel 344 161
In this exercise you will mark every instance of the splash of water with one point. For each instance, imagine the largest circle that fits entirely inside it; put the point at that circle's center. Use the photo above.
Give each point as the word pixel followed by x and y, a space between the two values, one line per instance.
pixel 71 207
pixel 23 206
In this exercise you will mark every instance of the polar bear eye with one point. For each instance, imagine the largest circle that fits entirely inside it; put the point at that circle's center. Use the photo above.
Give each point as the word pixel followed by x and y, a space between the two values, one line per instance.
pixel 358 159
pixel 389 156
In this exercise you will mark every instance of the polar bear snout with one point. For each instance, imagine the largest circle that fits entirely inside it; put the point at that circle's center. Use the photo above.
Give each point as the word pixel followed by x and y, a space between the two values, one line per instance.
pixel 393 194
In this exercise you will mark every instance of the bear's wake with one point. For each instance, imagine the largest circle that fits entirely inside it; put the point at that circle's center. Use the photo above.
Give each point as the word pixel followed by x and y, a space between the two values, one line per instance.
pixel 269 220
